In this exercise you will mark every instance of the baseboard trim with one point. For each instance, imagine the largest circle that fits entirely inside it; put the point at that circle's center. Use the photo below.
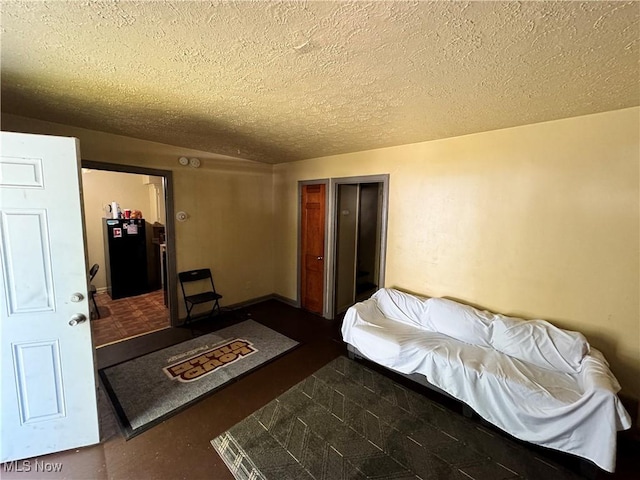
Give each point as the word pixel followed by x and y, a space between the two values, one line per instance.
pixel 248 303
pixel 264 298
pixel 288 301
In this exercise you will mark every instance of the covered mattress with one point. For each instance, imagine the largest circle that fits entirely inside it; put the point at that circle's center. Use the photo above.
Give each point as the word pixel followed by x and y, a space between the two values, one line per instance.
pixel 577 413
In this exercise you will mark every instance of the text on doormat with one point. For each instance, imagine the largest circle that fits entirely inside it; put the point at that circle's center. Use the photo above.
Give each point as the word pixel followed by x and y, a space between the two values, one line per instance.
pixel 202 364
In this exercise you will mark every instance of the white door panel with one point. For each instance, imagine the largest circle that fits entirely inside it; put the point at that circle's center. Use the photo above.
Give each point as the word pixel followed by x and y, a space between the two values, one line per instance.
pixel 26 259
pixel 48 375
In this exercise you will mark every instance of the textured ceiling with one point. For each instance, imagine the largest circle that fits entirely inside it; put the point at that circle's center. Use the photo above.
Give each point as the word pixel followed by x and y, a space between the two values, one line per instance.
pixel 281 81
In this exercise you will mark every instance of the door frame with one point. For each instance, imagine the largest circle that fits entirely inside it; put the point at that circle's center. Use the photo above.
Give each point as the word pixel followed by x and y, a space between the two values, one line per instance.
pixel 170 237
pixel 333 225
pixel 331 232
pixel 301 185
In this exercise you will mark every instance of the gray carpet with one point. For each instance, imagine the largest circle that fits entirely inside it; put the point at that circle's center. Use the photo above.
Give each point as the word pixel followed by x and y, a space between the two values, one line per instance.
pixel 348 422
pixel 147 389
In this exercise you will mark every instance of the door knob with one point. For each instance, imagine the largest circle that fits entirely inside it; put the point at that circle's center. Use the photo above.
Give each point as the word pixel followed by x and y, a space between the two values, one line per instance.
pixel 77 297
pixel 319 258
pixel 76 319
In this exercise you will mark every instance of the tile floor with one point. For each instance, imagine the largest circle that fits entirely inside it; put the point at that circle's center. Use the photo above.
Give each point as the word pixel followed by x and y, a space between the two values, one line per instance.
pixel 128 317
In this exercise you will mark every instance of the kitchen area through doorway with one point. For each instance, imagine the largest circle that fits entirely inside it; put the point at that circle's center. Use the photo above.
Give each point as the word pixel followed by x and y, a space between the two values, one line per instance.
pixel 125 218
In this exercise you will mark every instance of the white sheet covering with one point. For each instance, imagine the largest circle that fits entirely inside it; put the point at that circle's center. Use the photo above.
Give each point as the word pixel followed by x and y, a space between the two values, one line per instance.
pixel 540 343
pixel 459 321
pixel 577 413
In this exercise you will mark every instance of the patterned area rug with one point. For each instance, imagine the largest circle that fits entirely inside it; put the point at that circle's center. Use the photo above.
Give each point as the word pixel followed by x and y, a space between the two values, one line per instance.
pixel 346 421
pixel 147 389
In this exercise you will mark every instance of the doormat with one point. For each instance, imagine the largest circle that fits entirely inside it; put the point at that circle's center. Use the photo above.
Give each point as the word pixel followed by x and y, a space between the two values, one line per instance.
pixel 346 421
pixel 150 388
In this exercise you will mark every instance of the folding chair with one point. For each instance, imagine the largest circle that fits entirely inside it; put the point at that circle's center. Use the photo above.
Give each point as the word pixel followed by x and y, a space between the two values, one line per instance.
pixel 92 288
pixel 191 301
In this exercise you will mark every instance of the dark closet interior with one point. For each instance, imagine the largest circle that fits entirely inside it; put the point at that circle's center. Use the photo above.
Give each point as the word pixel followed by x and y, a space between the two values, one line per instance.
pixel 358 242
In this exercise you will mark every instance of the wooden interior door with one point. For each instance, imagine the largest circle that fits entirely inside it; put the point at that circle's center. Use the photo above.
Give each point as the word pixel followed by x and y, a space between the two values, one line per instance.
pixel 312 226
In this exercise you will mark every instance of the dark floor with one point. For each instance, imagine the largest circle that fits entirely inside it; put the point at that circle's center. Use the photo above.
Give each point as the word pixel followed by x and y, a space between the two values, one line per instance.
pixel 179 447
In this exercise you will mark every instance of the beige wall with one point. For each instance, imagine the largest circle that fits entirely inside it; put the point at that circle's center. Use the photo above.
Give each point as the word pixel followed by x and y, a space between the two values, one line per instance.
pixel 100 188
pixel 229 202
pixel 537 221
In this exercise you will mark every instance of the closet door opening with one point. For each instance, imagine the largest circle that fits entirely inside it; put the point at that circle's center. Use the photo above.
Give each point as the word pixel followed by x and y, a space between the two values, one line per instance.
pixel 360 217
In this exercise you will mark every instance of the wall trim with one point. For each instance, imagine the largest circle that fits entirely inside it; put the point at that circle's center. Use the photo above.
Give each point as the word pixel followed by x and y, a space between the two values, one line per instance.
pixel 247 303
pixel 333 222
pixel 263 298
pixel 167 175
pixel 289 301
pixel 331 193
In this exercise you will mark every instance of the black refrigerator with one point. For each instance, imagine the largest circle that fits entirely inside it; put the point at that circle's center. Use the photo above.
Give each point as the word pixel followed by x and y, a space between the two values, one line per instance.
pixel 125 254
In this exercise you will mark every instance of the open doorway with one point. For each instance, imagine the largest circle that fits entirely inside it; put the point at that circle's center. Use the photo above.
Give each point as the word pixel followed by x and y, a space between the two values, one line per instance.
pixel 350 238
pixel 359 223
pixel 130 239
pixel 358 243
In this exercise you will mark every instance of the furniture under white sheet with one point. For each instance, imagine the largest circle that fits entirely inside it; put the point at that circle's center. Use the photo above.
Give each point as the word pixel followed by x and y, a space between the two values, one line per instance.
pixel 551 389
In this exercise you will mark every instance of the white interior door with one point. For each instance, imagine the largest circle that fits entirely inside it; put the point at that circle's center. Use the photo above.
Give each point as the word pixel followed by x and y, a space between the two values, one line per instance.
pixel 48 380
